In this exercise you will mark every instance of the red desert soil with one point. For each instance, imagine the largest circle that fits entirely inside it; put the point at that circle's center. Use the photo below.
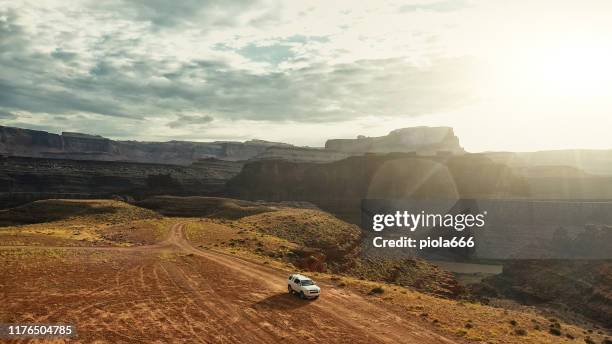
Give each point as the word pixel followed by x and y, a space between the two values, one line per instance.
pixel 172 292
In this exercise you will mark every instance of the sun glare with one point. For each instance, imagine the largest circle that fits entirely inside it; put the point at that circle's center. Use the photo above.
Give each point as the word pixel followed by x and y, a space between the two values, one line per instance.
pixel 569 71
pixel 577 71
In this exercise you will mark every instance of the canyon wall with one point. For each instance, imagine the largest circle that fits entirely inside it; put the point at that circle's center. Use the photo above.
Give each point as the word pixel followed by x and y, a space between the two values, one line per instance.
pixel 340 186
pixel 592 161
pixel 76 146
pixel 25 179
pixel 584 286
pixel 422 140
pixel 301 154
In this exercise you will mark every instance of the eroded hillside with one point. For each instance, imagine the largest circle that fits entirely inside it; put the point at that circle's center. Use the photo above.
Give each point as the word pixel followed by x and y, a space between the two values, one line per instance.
pixel 59 222
pixel 199 264
pixel 339 187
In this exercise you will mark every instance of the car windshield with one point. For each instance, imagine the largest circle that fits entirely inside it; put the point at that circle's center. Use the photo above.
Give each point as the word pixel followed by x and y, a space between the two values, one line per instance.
pixel 307 282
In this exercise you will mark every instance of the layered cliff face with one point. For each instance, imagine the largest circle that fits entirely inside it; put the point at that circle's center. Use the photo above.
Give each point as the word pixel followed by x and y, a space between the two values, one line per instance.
pixel 40 165
pixel 26 179
pixel 76 146
pixel 340 186
pixel 592 161
pixel 426 141
pixel 583 286
pixel 422 140
pixel 562 174
pixel 301 154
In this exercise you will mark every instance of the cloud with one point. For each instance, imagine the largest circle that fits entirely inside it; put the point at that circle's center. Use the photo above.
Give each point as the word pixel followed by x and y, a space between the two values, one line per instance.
pixel 115 66
pixel 6 115
pixel 164 14
pixel 190 120
pixel 436 6
pixel 149 88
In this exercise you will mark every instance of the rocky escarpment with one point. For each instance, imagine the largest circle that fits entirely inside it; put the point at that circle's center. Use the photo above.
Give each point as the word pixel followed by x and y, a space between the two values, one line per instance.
pixel 582 285
pixel 597 162
pixel 26 179
pixel 77 146
pixel 422 140
pixel 419 140
pixel 340 186
pixel 301 154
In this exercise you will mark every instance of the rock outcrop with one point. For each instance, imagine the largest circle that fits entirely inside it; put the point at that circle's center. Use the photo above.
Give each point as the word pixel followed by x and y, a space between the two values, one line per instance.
pixel 583 286
pixel 591 161
pixel 39 165
pixel 27 179
pixel 301 154
pixel 421 140
pixel 339 186
pixel 77 146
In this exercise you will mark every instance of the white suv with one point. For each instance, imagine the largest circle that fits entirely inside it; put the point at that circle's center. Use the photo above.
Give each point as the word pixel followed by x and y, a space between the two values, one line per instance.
pixel 303 286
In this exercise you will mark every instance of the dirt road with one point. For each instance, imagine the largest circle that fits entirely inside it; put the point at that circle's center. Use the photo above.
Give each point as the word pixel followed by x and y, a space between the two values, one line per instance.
pixel 174 292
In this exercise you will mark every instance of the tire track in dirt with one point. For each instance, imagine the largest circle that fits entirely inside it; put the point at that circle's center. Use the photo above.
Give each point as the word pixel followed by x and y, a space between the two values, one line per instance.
pixel 175 292
pixel 365 316
pixel 169 296
pixel 229 316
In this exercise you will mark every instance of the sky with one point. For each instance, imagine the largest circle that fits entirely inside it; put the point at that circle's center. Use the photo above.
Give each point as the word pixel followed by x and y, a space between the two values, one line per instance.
pixel 506 75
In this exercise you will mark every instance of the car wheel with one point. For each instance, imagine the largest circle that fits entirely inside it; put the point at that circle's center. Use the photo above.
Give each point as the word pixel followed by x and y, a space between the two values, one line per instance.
pixel 290 290
pixel 302 296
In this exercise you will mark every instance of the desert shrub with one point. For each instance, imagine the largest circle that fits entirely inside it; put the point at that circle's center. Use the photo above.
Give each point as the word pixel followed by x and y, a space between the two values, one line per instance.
pixel 520 332
pixel 377 290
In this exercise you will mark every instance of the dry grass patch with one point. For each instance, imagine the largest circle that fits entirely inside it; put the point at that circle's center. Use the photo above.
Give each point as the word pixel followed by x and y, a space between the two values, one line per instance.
pixel 80 223
pixel 472 322
pixel 307 227
pixel 198 206
pixel 227 235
